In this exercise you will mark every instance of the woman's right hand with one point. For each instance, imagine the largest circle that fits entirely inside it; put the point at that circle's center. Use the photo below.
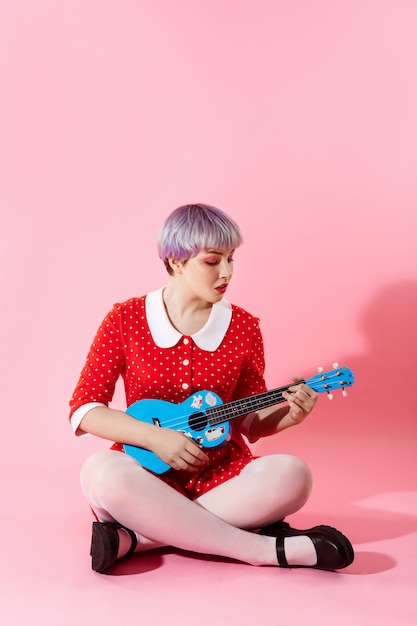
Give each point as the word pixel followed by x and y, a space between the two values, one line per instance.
pixel 177 450
pixel 171 446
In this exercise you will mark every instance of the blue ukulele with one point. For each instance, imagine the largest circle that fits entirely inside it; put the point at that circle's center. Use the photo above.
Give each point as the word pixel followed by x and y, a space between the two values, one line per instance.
pixel 204 418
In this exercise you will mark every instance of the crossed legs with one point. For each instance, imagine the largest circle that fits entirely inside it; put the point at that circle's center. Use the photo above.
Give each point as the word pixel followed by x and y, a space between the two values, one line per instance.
pixel 218 523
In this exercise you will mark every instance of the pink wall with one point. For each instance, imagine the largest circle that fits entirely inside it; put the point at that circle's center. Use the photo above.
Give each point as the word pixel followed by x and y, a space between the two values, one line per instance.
pixel 298 118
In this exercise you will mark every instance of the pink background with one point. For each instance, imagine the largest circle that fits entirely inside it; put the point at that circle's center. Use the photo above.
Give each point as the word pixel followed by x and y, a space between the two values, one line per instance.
pixel 297 118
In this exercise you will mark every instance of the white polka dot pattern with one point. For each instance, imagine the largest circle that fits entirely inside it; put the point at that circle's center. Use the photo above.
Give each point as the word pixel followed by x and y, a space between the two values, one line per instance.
pixel 124 346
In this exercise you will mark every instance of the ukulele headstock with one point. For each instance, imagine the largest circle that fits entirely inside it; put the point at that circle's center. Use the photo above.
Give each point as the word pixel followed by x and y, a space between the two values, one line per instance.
pixel 326 382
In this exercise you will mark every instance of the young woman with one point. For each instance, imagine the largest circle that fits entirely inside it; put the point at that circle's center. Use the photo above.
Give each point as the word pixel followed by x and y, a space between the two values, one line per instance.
pixel 170 345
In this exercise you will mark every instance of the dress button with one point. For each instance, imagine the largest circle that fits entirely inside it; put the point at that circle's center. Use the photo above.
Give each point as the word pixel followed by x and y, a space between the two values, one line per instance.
pixel 186 341
pixel 185 385
pixel 185 362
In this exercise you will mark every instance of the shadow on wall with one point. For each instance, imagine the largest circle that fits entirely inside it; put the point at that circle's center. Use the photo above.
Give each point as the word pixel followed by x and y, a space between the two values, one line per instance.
pixel 386 374
pixel 379 418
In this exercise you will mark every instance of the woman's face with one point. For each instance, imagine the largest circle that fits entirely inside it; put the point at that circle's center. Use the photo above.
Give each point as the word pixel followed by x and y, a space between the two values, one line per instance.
pixel 207 275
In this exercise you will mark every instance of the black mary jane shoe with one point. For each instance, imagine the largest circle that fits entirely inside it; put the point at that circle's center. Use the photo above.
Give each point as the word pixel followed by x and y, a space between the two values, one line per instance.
pixel 334 550
pixel 105 545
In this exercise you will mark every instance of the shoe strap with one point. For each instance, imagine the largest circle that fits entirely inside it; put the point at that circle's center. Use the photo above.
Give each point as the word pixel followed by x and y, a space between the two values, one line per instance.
pixel 134 540
pixel 282 559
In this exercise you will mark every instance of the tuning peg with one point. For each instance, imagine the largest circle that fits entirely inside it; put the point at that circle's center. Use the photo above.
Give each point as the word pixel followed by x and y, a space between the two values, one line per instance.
pixel 330 396
pixel 320 370
pixel 335 366
pixel 344 393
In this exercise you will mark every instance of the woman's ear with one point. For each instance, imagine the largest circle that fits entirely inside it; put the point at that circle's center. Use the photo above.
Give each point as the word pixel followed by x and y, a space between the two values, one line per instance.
pixel 175 265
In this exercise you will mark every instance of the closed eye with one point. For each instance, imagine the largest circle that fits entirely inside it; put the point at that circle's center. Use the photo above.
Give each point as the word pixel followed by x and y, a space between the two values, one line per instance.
pixel 218 261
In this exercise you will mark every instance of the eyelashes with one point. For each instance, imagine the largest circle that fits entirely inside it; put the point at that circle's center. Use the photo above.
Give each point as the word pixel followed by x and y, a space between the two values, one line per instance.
pixel 218 261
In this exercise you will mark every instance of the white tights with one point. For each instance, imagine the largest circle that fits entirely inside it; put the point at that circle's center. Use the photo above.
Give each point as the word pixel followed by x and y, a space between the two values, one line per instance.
pixel 219 522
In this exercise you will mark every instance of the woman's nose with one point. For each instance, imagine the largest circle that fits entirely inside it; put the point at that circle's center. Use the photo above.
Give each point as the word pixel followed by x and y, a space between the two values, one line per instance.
pixel 226 270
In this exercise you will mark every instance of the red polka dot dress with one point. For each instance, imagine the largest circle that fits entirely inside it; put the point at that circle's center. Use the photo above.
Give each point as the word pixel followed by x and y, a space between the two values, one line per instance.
pixel 137 342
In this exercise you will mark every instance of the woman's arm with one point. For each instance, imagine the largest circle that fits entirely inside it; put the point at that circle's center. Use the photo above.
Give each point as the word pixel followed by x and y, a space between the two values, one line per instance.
pixel 301 401
pixel 174 448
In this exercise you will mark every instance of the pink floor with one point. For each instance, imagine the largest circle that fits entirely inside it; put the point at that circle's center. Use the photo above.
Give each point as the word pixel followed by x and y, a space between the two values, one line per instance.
pixel 365 484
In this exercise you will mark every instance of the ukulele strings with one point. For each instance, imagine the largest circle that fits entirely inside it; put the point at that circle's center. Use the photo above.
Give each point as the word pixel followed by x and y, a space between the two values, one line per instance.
pixel 228 411
pixel 237 408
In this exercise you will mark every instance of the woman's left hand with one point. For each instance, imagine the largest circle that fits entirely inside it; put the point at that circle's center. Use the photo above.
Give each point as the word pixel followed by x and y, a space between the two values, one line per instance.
pixel 301 400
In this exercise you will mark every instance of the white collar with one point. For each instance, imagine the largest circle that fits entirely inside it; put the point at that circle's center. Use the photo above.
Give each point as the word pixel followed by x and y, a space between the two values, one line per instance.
pixel 165 335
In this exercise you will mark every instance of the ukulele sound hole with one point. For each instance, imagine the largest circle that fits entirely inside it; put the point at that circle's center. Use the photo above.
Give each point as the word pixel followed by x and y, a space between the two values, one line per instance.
pixel 198 421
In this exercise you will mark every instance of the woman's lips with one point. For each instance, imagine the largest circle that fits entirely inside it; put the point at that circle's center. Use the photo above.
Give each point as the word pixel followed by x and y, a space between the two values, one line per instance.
pixel 221 288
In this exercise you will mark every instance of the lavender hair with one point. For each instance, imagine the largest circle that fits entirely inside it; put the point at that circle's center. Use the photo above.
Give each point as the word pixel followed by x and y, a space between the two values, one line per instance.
pixel 195 227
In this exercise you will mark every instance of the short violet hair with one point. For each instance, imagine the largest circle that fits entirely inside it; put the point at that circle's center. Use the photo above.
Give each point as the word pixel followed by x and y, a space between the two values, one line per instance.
pixel 195 227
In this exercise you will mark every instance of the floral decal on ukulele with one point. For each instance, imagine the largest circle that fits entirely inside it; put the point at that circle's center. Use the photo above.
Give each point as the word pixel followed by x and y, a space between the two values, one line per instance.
pixel 210 399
